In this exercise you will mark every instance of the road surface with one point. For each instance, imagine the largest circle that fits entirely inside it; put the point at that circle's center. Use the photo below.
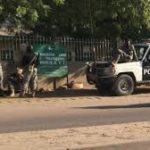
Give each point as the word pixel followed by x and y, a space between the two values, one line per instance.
pixel 72 111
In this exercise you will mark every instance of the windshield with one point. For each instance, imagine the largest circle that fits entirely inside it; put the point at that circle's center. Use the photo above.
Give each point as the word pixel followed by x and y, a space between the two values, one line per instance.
pixel 140 50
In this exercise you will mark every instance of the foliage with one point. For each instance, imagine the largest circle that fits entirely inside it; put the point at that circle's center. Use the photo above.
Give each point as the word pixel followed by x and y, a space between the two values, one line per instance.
pixel 24 13
pixel 86 18
pixel 98 18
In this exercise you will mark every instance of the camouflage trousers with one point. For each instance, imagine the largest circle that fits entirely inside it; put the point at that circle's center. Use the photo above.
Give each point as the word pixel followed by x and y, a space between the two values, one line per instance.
pixel 30 79
pixel 1 77
pixel 14 85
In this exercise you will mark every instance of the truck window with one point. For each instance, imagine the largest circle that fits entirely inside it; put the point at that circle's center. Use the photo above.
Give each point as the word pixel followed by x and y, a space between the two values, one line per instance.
pixel 147 59
pixel 140 50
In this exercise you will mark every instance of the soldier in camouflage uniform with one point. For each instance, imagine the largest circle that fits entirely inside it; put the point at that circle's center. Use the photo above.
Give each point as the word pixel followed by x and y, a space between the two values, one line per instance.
pixel 2 90
pixel 29 64
pixel 126 51
pixel 1 77
pixel 15 82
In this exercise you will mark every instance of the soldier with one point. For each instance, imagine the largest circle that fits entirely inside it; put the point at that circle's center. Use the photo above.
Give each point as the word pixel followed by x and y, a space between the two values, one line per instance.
pixel 1 81
pixel 15 82
pixel 29 64
pixel 126 51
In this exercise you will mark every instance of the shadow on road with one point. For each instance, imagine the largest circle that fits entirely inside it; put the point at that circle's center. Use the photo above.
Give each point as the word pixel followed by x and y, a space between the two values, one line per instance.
pixel 142 90
pixel 83 92
pixel 80 93
pixel 145 105
pixel 69 93
pixel 142 145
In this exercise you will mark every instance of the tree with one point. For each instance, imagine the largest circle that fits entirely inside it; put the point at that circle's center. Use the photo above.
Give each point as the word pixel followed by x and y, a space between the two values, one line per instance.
pixel 86 18
pixel 24 13
pixel 109 18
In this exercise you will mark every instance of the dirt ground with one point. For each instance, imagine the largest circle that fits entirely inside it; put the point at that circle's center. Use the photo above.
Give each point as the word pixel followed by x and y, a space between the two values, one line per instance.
pixel 73 138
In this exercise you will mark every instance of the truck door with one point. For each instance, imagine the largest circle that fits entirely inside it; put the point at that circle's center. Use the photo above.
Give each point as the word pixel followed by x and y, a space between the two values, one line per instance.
pixel 146 68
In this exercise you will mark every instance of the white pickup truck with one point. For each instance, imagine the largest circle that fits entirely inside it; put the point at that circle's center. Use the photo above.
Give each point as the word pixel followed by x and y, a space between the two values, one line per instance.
pixel 121 78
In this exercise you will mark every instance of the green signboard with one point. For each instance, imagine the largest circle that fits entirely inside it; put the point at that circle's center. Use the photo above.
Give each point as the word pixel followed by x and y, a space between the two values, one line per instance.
pixel 52 60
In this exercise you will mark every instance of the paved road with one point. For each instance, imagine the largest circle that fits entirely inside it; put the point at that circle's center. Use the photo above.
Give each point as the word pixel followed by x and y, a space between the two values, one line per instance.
pixel 73 112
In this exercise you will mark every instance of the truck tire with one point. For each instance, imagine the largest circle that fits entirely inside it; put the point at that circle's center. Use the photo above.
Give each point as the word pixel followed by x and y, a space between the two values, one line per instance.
pixel 124 85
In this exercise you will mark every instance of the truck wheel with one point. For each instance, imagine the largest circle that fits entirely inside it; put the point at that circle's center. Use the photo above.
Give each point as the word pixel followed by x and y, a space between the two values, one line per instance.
pixel 124 85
